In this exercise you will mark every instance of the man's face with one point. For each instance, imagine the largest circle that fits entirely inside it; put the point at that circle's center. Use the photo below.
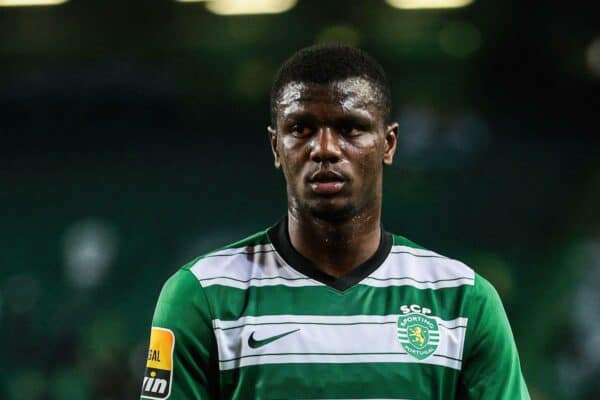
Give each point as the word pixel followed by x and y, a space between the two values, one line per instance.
pixel 331 142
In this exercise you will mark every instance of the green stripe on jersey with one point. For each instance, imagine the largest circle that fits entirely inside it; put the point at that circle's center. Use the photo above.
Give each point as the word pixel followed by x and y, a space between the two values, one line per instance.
pixel 351 381
pixel 323 300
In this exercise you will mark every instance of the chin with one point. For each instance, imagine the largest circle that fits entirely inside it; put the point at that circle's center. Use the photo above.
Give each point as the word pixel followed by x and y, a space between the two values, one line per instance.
pixel 333 212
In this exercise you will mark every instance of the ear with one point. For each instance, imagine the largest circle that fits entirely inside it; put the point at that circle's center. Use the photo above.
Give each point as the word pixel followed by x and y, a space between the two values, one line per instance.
pixel 391 140
pixel 273 141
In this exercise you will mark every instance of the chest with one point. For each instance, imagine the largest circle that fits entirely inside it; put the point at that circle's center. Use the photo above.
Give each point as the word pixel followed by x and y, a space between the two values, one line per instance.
pixel 320 344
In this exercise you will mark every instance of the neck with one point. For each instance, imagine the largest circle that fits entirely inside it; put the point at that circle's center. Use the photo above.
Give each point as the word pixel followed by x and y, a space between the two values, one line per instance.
pixel 336 247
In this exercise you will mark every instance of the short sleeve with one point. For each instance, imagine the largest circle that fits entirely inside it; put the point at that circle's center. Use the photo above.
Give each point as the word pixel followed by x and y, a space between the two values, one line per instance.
pixel 182 354
pixel 491 368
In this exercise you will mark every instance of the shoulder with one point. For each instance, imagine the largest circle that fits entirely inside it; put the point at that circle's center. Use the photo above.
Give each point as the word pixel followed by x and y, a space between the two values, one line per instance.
pixel 437 271
pixel 426 269
pixel 245 245
pixel 442 268
pixel 473 297
pixel 186 282
pixel 217 262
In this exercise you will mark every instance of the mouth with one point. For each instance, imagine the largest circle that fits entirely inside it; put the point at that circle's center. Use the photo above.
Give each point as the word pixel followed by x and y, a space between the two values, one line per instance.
pixel 327 182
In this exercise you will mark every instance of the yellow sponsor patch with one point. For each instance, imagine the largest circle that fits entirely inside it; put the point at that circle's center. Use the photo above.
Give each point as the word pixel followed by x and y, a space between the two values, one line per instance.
pixel 159 367
pixel 160 352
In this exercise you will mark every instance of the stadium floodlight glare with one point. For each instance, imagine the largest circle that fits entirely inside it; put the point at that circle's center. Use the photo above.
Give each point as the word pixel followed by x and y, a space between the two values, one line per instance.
pixel 239 7
pixel 427 4
pixel 29 3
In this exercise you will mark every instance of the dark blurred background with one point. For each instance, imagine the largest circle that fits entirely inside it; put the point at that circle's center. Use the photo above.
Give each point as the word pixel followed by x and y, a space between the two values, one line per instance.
pixel 132 138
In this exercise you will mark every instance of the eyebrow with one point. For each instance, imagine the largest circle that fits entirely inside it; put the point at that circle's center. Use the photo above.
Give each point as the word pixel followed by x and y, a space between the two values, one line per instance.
pixel 347 117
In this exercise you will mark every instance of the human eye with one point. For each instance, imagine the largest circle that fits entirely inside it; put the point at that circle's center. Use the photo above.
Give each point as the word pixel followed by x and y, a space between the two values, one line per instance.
pixel 350 130
pixel 300 130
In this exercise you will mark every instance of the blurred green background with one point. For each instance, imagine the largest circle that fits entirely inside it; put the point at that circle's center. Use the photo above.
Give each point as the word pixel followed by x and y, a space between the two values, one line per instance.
pixel 133 138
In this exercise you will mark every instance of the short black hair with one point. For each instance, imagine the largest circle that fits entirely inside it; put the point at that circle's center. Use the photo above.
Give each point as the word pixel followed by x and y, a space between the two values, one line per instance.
pixel 327 63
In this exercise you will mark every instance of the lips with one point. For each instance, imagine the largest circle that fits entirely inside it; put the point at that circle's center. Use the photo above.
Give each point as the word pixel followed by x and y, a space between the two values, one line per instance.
pixel 327 182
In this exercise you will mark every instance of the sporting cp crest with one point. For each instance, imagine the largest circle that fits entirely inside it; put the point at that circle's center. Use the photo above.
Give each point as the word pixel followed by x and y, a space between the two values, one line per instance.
pixel 418 334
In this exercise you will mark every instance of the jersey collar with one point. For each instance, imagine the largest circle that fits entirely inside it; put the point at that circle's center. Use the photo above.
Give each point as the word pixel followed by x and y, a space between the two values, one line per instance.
pixel 280 238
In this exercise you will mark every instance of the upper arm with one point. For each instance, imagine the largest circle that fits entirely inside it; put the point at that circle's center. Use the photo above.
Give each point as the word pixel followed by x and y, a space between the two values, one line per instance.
pixel 183 313
pixel 491 369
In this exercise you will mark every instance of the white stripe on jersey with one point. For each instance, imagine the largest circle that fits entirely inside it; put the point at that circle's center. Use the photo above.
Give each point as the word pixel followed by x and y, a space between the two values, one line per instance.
pixel 329 339
pixel 261 265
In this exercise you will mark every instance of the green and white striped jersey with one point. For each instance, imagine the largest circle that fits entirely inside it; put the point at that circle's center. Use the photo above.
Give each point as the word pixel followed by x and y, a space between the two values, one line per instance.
pixel 257 320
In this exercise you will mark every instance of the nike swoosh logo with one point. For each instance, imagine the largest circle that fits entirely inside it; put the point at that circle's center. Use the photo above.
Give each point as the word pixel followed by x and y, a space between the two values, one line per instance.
pixel 255 344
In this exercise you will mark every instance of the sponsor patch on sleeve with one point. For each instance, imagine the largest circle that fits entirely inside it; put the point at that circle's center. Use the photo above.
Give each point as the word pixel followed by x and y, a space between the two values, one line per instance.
pixel 159 367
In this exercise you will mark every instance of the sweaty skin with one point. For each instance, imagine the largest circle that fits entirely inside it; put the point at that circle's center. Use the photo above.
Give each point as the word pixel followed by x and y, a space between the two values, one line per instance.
pixel 331 142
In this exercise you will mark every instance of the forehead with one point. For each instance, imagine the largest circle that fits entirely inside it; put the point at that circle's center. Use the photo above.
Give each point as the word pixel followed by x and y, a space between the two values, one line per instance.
pixel 348 95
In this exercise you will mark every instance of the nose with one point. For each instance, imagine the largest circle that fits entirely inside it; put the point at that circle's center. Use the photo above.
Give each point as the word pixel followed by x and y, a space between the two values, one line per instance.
pixel 325 146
